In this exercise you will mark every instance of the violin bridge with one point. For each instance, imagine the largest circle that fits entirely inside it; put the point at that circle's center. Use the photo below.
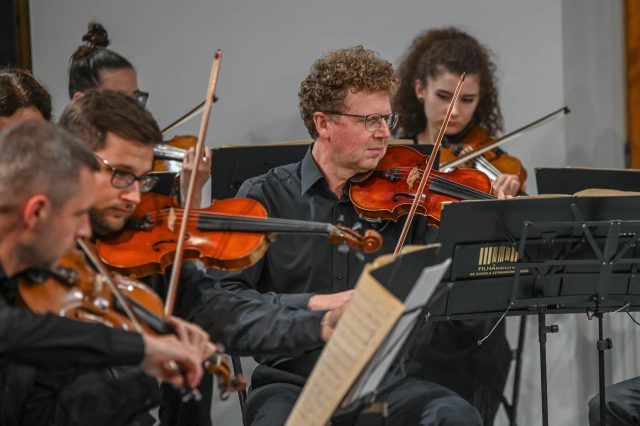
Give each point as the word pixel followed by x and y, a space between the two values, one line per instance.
pixel 413 177
pixel 171 221
pixel 98 285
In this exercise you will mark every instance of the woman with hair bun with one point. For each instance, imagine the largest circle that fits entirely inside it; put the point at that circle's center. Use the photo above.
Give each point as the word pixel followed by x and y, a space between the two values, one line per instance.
pixel 94 66
pixel 429 73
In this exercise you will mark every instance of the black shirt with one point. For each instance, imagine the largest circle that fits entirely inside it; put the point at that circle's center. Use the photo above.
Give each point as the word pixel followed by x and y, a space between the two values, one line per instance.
pixel 297 266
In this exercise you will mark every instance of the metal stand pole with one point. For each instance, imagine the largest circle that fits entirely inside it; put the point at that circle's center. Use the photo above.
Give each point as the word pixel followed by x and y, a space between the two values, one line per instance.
pixel 543 329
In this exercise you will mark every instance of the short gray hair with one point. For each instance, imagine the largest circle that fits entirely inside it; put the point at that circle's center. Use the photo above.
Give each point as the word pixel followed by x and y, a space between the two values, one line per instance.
pixel 41 158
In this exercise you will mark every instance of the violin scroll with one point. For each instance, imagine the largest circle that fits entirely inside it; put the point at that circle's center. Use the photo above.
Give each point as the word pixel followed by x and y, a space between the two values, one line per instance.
pixel 218 364
pixel 370 242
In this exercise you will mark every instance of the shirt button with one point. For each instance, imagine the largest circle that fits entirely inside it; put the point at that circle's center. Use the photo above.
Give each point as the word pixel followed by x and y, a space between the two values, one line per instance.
pixel 339 276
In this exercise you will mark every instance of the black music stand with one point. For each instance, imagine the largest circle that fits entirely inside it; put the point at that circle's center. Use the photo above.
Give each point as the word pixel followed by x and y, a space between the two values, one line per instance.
pixel 541 255
pixel 230 166
pixel 400 278
pixel 569 180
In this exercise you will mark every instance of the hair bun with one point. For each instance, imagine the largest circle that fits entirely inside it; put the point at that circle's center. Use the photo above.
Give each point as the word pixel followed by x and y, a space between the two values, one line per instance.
pixel 96 36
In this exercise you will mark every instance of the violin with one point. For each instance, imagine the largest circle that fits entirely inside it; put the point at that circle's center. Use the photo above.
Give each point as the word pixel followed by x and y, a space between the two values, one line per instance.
pixel 493 162
pixel 388 191
pixel 75 290
pixel 230 234
pixel 168 156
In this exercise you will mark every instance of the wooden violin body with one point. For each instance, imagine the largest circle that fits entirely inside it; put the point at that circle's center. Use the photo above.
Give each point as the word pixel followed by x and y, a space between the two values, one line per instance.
pixel 168 156
pixel 147 246
pixel 230 234
pixel 390 189
pixel 492 162
pixel 75 290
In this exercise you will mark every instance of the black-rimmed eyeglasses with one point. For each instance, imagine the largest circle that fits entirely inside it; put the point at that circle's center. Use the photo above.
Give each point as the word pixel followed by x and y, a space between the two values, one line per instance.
pixel 122 179
pixel 141 97
pixel 373 122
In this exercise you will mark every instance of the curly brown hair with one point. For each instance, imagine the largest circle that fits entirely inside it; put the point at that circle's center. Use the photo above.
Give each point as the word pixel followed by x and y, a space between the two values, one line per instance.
pixel 431 53
pixel 356 68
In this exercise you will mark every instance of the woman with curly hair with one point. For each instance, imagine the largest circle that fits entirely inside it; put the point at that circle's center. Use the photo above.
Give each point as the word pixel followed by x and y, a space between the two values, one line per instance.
pixel 428 75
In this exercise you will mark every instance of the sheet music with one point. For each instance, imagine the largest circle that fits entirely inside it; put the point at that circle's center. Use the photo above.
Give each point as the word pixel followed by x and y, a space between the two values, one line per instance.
pixel 379 365
pixel 365 323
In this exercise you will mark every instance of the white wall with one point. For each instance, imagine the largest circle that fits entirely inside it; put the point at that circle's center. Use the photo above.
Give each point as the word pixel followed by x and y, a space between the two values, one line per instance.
pixel 268 48
pixel 549 53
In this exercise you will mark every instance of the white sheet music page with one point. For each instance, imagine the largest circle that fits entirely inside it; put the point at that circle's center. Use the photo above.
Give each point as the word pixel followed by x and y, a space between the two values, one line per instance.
pixel 366 321
pixel 375 371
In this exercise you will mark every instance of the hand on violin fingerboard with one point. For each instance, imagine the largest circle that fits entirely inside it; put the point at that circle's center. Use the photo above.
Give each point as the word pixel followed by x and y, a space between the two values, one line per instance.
pixel 203 173
pixel 506 184
pixel 194 336
pixel 160 352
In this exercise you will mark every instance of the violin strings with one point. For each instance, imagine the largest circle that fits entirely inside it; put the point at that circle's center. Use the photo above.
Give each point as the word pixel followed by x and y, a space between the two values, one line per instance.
pixel 488 165
pixel 249 224
pixel 485 163
pixel 228 222
pixel 466 191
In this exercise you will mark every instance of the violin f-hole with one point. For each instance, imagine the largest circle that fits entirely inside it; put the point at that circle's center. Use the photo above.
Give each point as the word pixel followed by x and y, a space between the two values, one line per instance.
pixel 156 246
pixel 396 197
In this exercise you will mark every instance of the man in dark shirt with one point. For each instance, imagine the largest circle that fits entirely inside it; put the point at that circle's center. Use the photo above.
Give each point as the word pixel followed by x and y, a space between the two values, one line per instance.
pixel 122 135
pixel 46 188
pixel 345 105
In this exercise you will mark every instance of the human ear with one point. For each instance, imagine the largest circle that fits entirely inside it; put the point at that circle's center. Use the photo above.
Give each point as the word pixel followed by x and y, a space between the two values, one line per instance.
pixel 36 211
pixel 322 124
pixel 419 89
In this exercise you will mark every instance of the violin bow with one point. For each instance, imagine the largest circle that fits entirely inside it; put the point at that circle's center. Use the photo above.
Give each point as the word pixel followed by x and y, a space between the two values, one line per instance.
pixel 506 138
pixel 427 170
pixel 187 116
pixel 204 123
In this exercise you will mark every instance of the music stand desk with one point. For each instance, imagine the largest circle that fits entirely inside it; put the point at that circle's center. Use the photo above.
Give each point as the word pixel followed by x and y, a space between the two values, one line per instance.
pixel 538 255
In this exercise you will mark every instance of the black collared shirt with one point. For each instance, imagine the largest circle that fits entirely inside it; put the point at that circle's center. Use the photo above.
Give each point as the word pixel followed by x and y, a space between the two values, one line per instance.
pixel 297 266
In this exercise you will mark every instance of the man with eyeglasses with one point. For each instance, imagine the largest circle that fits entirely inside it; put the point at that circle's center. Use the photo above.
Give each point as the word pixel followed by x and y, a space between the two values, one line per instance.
pixel 93 66
pixel 345 105
pixel 122 135
pixel 46 189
